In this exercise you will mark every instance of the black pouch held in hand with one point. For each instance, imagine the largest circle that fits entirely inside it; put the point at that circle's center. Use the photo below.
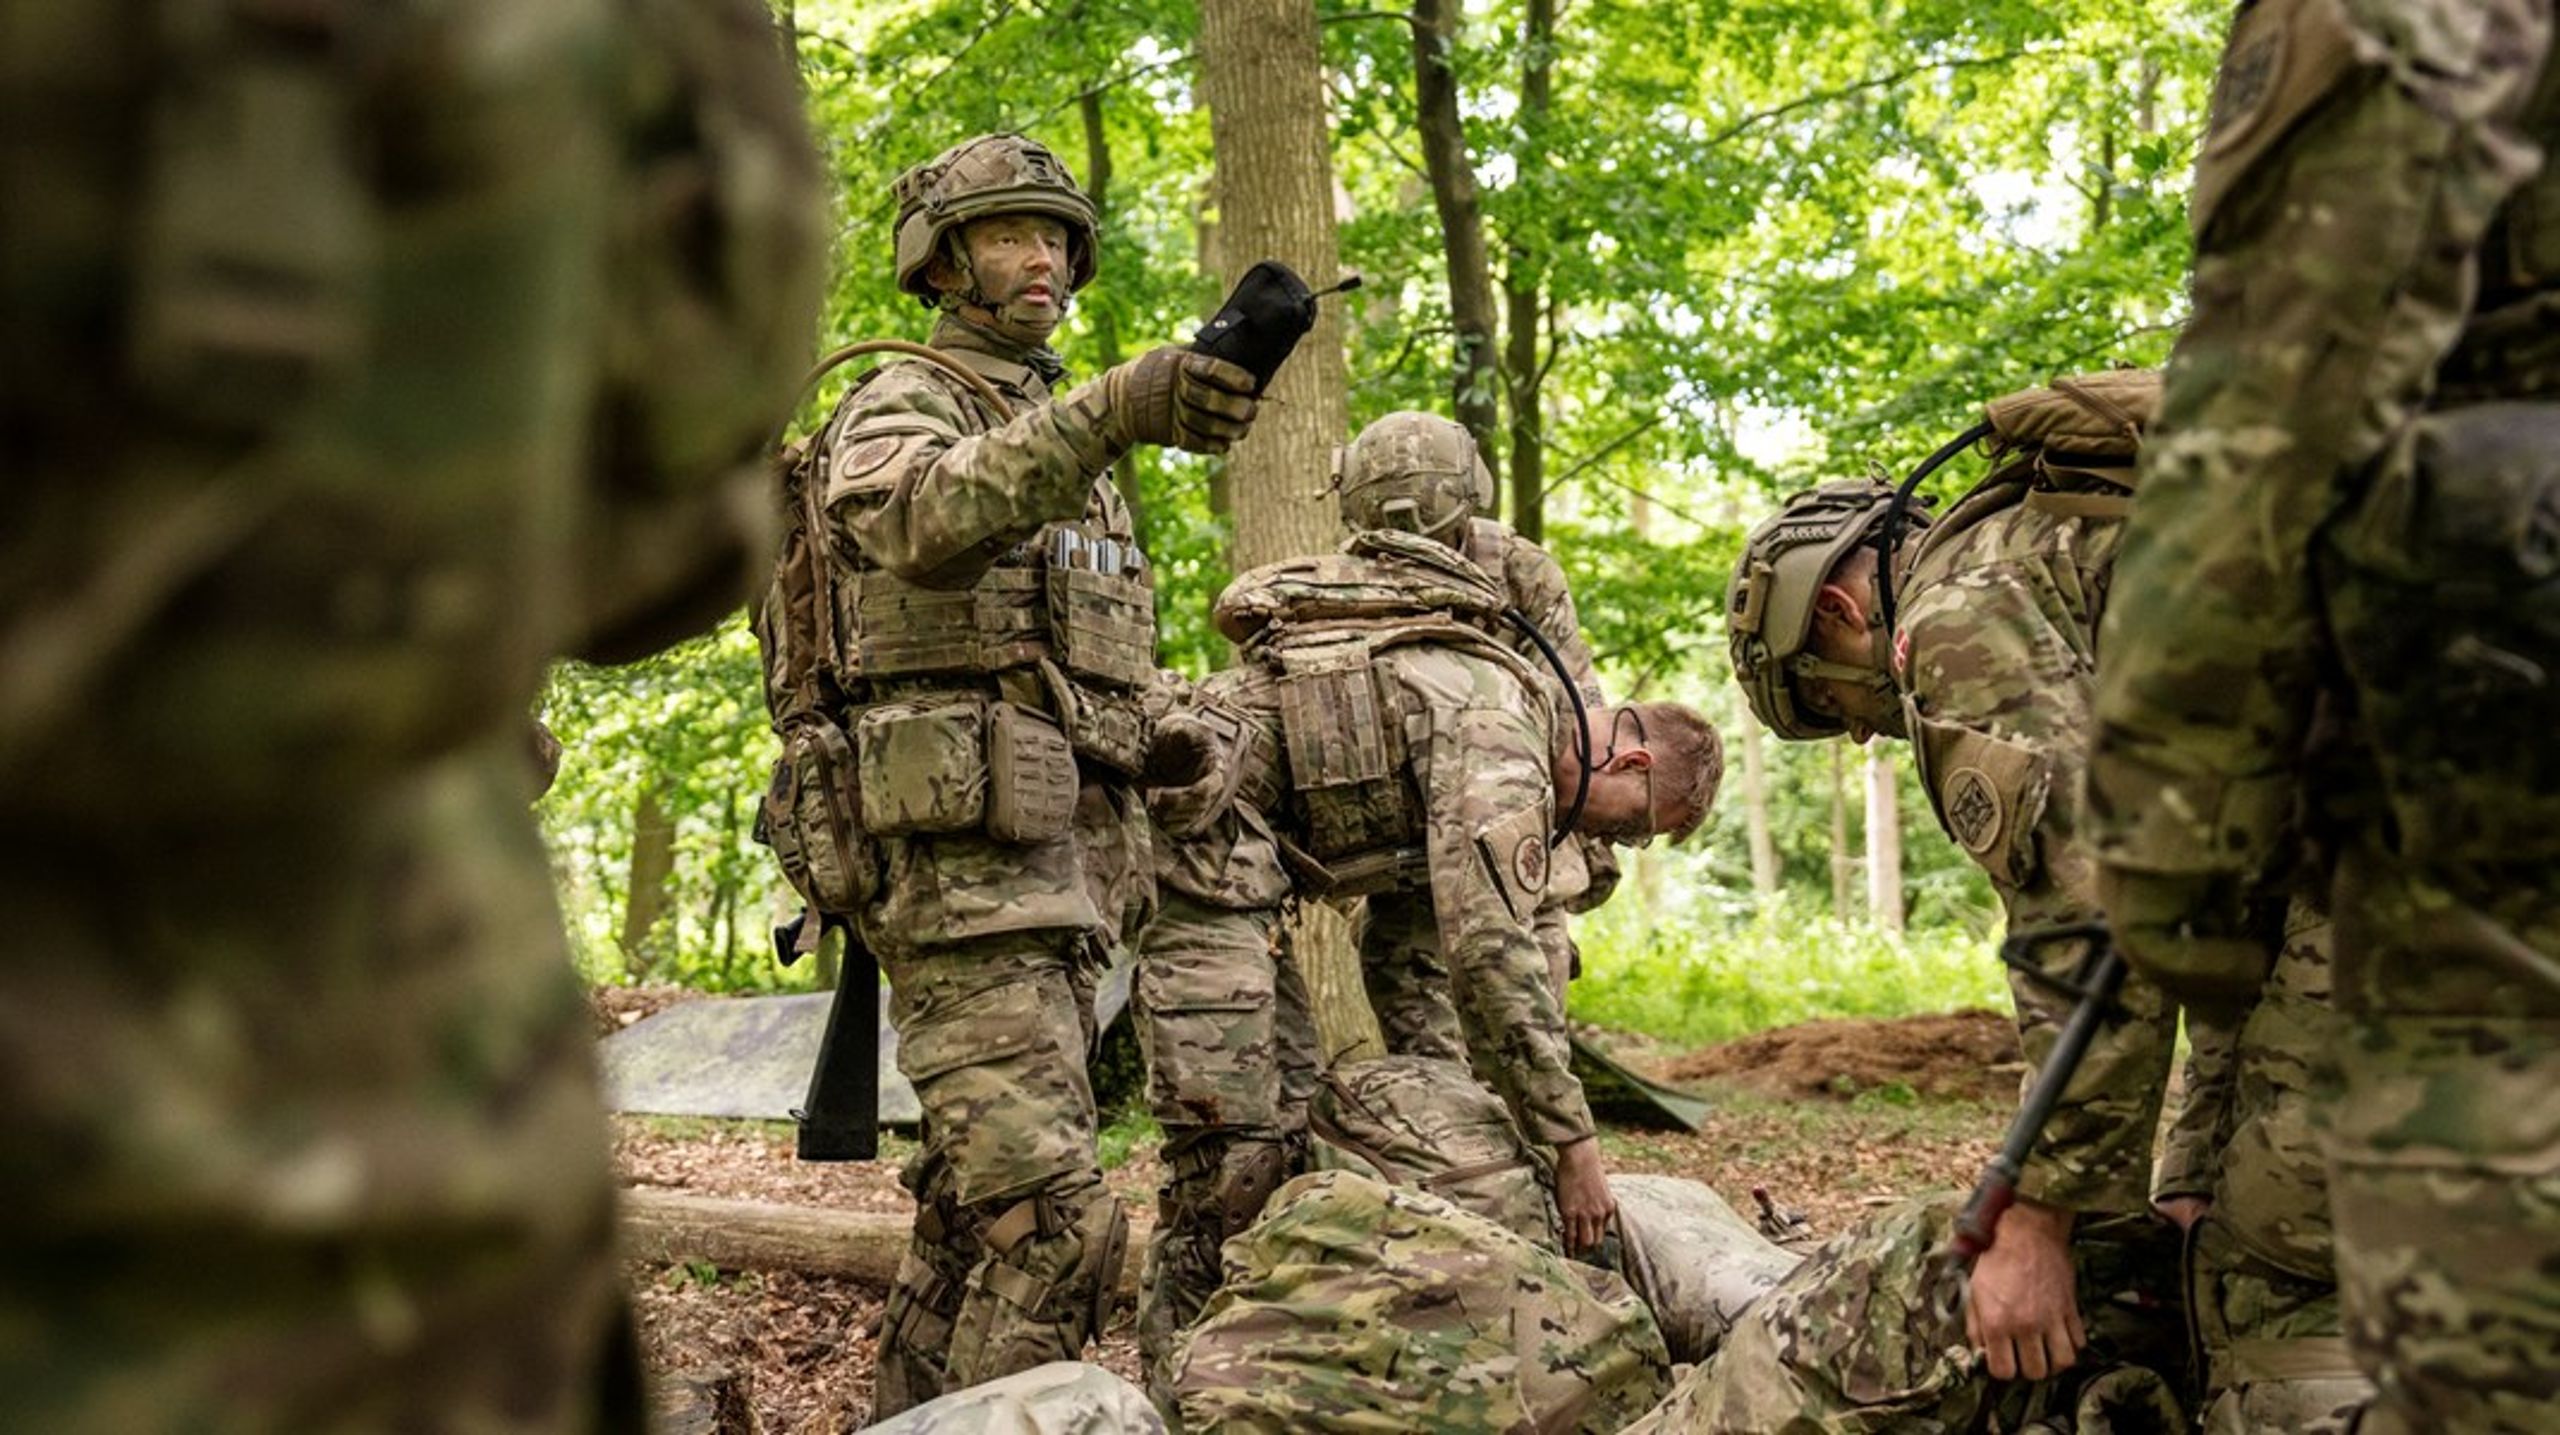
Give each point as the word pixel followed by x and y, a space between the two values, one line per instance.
pixel 1268 312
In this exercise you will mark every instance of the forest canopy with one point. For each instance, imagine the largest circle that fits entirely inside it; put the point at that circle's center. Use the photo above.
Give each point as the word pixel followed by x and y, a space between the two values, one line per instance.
pixel 1721 250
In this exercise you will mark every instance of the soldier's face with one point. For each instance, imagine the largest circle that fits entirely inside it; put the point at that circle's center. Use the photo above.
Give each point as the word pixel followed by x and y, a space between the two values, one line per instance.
pixel 1020 263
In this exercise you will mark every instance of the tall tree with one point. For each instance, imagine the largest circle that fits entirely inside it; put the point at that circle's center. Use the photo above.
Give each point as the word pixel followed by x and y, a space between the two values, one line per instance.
pixel 1262 74
pixel 1884 838
pixel 1524 292
pixel 1475 386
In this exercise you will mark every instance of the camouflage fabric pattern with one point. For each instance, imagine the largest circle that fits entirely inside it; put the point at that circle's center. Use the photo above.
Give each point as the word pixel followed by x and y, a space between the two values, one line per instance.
pixel 991 947
pixel 1060 1398
pixel 2298 491
pixel 1480 766
pixel 1998 629
pixel 1427 1124
pixel 1868 1336
pixel 296 1089
pixel 1231 1061
pixel 2273 1342
pixel 1355 1306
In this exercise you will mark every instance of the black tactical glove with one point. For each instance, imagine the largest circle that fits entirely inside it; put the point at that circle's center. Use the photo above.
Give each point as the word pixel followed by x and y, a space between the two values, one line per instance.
pixel 1174 397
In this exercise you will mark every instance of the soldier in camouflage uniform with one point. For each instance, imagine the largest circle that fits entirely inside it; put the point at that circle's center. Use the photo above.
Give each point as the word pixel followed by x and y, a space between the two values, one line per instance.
pixel 2338 592
pixel 1988 670
pixel 1421 473
pixel 1376 738
pixel 999 622
pixel 323 440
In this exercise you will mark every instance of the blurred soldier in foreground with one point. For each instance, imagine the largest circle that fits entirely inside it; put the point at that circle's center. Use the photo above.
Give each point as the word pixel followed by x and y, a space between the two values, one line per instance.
pixel 1421 473
pixel 1377 737
pixel 2340 589
pixel 1974 639
pixel 995 632
pixel 355 360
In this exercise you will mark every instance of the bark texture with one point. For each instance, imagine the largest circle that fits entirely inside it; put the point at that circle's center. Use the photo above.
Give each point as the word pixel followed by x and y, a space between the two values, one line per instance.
pixel 1262 76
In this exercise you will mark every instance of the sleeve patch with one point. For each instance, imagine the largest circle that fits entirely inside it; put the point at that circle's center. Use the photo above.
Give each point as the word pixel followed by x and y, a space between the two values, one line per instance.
pixel 868 455
pixel 1976 815
pixel 1514 849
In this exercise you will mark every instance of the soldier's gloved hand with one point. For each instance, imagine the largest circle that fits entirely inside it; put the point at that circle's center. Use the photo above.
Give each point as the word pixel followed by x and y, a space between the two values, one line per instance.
pixel 1174 397
pixel 1582 1195
pixel 2196 936
pixel 1181 752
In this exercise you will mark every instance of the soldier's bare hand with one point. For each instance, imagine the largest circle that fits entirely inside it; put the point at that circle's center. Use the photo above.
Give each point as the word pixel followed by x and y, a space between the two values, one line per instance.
pixel 2183 1211
pixel 1582 1195
pixel 1184 400
pixel 2022 1308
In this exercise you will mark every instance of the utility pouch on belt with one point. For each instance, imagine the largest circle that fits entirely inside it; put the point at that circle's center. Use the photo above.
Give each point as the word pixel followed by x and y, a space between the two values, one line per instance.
pixel 811 818
pixel 2444 594
pixel 1031 777
pixel 964 765
pixel 1345 743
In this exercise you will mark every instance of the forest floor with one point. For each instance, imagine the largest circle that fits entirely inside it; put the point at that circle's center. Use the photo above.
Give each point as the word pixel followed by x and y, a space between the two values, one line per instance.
pixel 1832 1118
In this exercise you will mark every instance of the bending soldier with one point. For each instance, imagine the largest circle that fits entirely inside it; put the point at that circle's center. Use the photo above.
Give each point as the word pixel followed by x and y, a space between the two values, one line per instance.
pixel 1376 738
pixel 1987 667
pixel 2338 592
pixel 359 359
pixel 998 624
pixel 1421 473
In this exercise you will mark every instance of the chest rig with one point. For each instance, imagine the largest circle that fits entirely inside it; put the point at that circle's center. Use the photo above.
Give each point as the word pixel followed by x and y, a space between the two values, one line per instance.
pixel 1336 756
pixel 1063 623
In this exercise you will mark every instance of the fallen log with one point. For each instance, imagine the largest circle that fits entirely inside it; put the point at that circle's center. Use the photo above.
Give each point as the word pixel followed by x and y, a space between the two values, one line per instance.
pixel 678 1227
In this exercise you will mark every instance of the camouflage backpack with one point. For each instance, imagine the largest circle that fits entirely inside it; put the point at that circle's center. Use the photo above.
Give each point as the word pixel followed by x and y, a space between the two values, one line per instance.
pixel 810 813
pixel 1320 623
pixel 1357 1306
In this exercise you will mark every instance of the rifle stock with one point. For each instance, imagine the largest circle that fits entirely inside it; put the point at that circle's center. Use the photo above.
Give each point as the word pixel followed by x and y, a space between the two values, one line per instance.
pixel 2099 979
pixel 839 1118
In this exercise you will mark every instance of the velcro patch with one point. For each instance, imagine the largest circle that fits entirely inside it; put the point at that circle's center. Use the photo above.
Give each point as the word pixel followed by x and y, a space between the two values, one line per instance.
pixel 868 455
pixel 1514 848
pixel 1976 813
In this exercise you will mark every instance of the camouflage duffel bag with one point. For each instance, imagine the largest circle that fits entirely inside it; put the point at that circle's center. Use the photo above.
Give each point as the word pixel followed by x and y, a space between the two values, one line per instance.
pixel 1355 1306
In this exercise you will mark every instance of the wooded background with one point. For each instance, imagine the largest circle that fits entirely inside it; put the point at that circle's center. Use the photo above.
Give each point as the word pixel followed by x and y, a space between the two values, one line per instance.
pixel 1668 261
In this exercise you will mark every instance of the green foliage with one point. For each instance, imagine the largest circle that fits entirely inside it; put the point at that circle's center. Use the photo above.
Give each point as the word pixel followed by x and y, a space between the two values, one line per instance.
pixel 1774 241
pixel 1697 983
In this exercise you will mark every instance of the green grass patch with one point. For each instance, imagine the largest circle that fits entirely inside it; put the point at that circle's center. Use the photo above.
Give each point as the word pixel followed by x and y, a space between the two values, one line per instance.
pixel 1720 979
pixel 1131 1130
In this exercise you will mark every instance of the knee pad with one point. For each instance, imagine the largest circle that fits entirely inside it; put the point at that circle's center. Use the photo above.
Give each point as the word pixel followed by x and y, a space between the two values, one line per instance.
pixel 1248 1172
pixel 1044 1284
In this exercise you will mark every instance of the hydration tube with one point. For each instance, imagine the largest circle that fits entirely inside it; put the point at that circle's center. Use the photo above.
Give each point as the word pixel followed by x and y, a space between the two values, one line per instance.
pixel 1889 532
pixel 1581 724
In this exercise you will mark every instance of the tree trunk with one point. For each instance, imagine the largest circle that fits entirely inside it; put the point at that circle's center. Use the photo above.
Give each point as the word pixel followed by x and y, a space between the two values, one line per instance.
pixel 1524 283
pixel 1474 383
pixel 1884 840
pixel 1841 862
pixel 1136 472
pixel 653 861
pixel 786 23
pixel 678 1227
pixel 1755 808
pixel 1262 76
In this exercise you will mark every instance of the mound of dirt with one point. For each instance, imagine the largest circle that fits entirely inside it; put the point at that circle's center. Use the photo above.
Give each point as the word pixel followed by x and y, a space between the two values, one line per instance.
pixel 1954 1054
pixel 616 1007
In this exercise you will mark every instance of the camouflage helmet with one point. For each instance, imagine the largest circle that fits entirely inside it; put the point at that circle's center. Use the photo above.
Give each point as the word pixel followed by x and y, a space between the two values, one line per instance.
pixel 1769 608
pixel 992 174
pixel 1412 471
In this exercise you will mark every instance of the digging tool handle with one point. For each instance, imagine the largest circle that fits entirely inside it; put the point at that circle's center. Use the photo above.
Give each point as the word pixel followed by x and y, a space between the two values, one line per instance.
pixel 840 1120
pixel 2096 989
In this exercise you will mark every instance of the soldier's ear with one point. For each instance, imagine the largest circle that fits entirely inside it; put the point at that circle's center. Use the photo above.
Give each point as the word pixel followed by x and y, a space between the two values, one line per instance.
pixel 1836 609
pixel 1633 759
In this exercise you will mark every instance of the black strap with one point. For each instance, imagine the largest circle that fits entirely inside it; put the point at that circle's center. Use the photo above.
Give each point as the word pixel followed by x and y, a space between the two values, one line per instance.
pixel 1889 532
pixel 1581 724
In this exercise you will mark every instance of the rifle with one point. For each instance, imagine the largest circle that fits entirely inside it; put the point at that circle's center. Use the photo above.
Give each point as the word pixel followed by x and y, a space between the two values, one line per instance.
pixel 2100 977
pixel 839 1119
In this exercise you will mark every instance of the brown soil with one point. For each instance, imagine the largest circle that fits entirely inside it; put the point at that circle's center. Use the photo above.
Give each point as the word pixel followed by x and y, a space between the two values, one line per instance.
pixel 1965 1054
pixel 618 1007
